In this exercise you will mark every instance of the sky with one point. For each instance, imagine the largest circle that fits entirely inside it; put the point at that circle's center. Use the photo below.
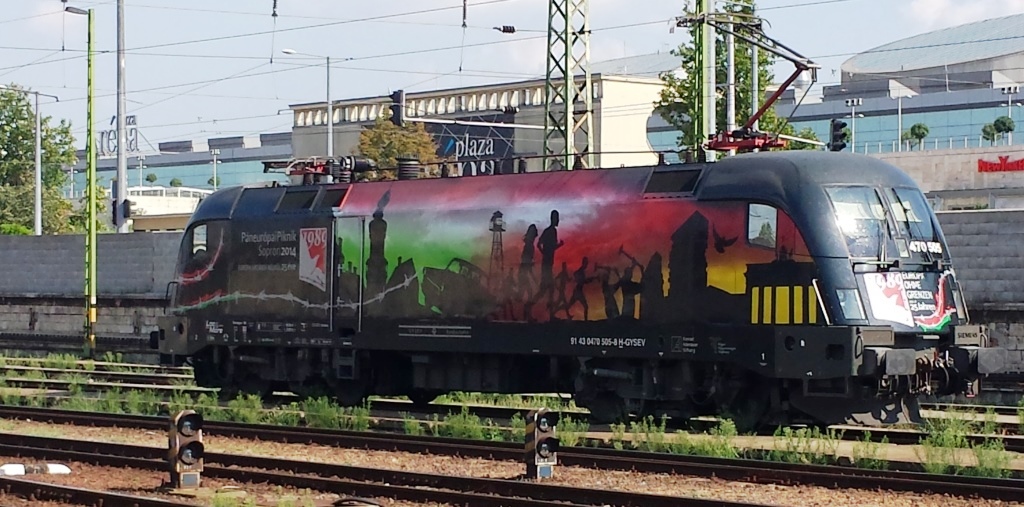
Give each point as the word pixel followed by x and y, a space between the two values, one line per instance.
pixel 196 69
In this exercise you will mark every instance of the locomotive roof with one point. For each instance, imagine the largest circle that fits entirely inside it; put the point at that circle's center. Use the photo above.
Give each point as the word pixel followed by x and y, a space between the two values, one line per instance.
pixel 791 180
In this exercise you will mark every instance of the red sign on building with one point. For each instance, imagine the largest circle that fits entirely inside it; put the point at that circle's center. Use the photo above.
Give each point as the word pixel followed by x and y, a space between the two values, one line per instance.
pixel 1004 165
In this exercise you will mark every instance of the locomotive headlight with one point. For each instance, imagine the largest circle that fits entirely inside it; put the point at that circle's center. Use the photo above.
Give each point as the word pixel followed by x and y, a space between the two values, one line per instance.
pixel 849 301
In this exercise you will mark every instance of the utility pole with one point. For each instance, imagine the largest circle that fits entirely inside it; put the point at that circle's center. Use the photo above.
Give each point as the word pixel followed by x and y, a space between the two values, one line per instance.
pixel 90 192
pixel 122 161
pixel 730 80
pixel 755 91
pixel 330 119
pixel 568 57
pixel 705 53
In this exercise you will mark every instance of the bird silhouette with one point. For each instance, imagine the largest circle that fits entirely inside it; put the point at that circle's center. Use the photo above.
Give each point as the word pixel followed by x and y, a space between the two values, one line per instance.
pixel 721 243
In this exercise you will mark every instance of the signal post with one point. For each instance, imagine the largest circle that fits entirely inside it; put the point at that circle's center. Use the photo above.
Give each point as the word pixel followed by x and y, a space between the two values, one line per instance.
pixel 185 449
pixel 541 444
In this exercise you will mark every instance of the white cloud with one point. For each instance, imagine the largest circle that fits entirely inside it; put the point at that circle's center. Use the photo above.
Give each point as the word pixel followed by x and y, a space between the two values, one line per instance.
pixel 936 14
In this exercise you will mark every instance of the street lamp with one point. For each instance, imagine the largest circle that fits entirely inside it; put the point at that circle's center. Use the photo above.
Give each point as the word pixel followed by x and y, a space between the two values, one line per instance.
pixel 39 158
pixel 852 104
pixel 899 121
pixel 330 108
pixel 1010 91
pixel 90 183
pixel 215 152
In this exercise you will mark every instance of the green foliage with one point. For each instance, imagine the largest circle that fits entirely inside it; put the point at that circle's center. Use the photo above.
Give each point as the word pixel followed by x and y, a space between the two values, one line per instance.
pixel 918 132
pixel 805 133
pixel 246 408
pixel 647 435
pixel 463 425
pixel 618 435
pixel 517 426
pixel 803 445
pixel 1003 124
pixel 989 133
pixel 17 165
pixel 679 100
pixel 151 178
pixel 175 182
pixel 718 443
pixel 385 142
pixel 412 425
pixel 213 181
pixel 572 432
pixel 15 230
pixel 321 413
pixel 869 454
pixel 947 445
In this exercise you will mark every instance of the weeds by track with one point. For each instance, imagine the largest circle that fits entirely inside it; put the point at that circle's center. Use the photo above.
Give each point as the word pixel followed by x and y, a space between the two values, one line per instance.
pixel 730 469
pixel 410 486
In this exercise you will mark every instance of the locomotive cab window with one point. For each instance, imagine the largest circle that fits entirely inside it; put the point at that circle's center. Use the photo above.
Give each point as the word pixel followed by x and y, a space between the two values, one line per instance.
pixel 195 252
pixel 861 219
pixel 762 224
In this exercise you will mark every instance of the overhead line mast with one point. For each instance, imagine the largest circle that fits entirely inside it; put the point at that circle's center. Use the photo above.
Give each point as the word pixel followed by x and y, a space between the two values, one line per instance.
pixel 568 103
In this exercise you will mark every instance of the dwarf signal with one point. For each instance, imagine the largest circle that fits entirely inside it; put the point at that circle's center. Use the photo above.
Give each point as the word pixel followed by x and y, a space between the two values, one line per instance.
pixel 541 444
pixel 185 453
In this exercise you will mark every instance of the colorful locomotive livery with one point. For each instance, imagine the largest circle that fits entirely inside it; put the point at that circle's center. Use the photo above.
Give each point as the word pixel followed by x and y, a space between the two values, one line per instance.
pixel 771 286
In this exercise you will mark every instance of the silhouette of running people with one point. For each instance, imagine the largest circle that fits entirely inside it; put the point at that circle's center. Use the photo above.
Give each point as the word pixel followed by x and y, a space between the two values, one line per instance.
pixel 547 244
pixel 524 288
pixel 562 280
pixel 580 279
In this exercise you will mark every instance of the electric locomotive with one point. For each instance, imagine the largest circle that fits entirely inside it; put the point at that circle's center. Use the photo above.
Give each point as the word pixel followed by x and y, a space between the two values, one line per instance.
pixel 773 287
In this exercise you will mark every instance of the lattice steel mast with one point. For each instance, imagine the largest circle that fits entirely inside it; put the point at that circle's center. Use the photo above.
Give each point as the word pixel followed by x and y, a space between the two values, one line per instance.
pixel 569 89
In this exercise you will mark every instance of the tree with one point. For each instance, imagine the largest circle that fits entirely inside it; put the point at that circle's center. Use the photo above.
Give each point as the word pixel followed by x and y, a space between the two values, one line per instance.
pixel 805 133
pixel 175 182
pixel 213 181
pixel 385 142
pixel 919 131
pixel 151 178
pixel 678 100
pixel 989 133
pixel 17 166
pixel 1003 125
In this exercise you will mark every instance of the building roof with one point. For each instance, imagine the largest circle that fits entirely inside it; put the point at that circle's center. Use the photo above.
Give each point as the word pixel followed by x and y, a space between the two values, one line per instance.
pixel 981 40
pixel 651 65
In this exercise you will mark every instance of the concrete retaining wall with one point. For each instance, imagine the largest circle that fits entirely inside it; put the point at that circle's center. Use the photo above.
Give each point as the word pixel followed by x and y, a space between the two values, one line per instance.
pixel 128 265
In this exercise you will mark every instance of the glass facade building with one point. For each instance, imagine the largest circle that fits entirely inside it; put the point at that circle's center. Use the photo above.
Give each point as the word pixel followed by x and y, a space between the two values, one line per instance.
pixel 954 81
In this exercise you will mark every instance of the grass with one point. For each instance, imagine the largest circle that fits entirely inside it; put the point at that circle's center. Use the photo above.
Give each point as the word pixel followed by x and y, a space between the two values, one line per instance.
pixel 948 445
pixel 805 445
pixel 869 454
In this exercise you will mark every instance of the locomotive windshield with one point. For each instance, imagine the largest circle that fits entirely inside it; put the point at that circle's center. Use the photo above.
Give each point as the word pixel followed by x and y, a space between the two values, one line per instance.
pixel 911 213
pixel 861 217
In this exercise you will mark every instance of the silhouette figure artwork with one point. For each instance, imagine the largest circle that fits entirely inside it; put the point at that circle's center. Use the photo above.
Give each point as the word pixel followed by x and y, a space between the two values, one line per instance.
pixel 563 281
pixel 720 242
pixel 526 282
pixel 629 287
pixel 608 289
pixel 376 264
pixel 547 244
pixel 580 278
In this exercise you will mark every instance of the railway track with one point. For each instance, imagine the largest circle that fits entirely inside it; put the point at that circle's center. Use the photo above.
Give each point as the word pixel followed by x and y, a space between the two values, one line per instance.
pixel 349 480
pixel 43 491
pixel 978 409
pixel 595 458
